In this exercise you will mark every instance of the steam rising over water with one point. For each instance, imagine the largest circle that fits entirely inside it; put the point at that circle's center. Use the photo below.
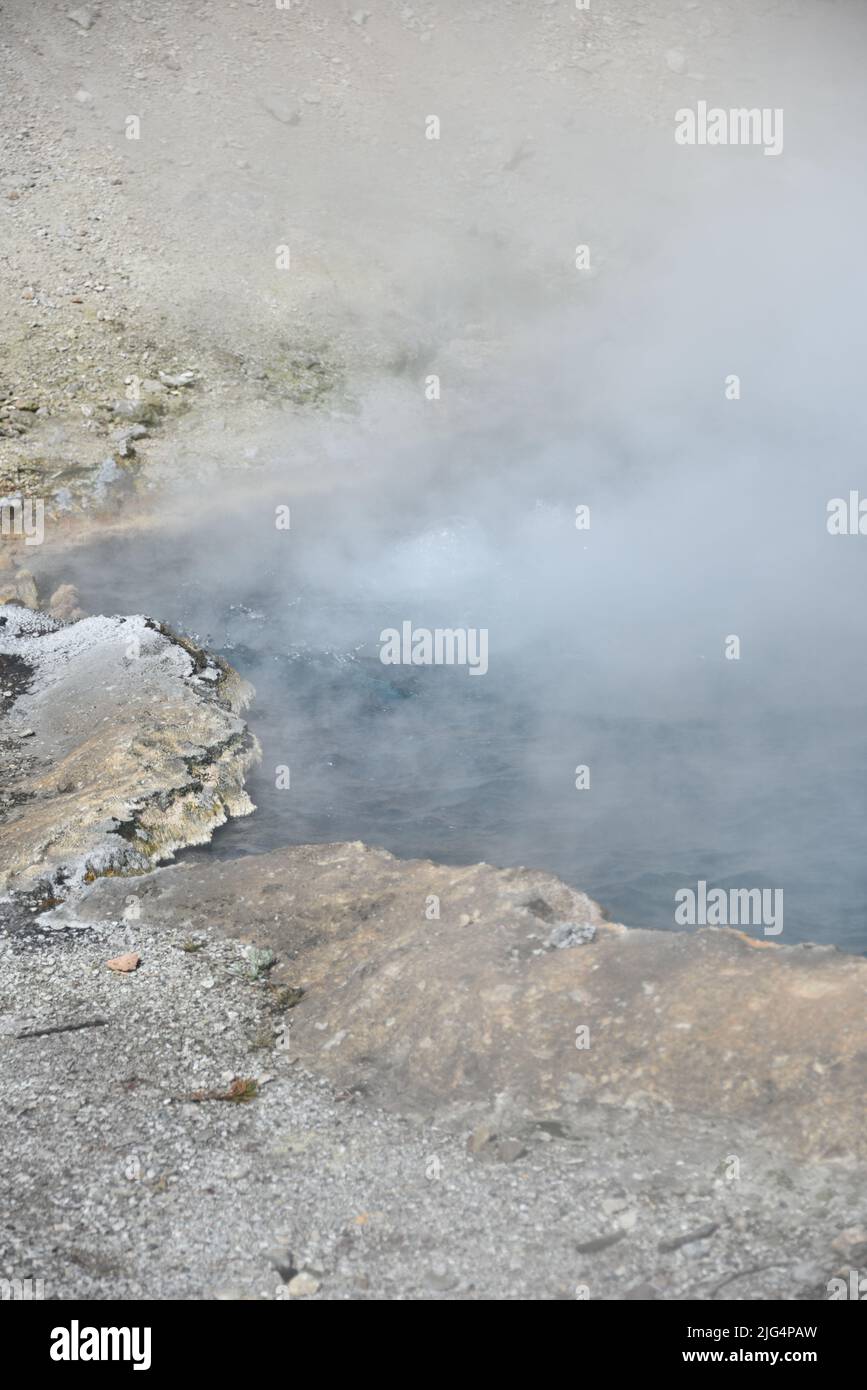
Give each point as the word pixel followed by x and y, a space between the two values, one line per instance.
pixel 745 774
pixel 708 518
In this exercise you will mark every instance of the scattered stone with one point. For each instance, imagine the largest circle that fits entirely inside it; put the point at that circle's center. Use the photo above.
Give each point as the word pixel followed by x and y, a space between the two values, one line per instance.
pixel 596 1243
pixel 142 412
pixel 510 1150
pixel 281 110
pixel 260 961
pixel 282 1259
pixel 612 1205
pixel 701 1233
pixel 480 1139
pixel 82 16
pixel 177 378
pixel 441 1277
pixel 124 964
pixel 852 1243
pixel 675 60
pixel 105 477
pixel 133 432
pixel 642 1293
pixel 83 96
pixel 303 1285
pixel 570 934
pixel 20 588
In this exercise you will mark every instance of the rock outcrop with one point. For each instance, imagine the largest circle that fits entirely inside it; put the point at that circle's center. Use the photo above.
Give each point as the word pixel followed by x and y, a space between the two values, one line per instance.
pixel 121 743
pixel 520 1004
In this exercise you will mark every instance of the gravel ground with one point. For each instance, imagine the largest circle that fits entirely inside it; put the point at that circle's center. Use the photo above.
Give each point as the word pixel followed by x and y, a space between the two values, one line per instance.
pixel 116 1184
pixel 129 263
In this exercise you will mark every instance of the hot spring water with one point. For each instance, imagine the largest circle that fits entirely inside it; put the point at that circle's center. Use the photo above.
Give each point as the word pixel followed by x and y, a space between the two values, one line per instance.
pixel 722 787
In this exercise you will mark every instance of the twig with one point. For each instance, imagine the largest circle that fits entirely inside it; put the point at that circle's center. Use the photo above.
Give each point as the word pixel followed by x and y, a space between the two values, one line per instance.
pixel 739 1273
pixel 64 1028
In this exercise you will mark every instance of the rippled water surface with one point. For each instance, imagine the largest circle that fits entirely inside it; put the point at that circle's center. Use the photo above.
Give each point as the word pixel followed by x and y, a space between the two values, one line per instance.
pixel 432 762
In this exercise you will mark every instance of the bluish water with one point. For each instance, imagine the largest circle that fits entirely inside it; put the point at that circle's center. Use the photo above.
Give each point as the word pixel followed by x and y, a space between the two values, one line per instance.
pixel 430 762
pixel 437 765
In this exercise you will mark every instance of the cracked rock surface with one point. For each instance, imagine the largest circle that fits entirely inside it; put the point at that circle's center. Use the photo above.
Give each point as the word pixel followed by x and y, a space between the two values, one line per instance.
pixel 120 742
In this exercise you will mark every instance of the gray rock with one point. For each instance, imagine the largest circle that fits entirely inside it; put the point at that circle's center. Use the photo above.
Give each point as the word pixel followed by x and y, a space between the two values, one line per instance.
pixel 114 669
pixel 177 378
pixel 282 1259
pixel 853 1244
pixel 81 16
pixel 282 111
pixel 612 1205
pixel 701 1233
pixel 566 934
pixel 260 961
pixel 143 412
pixel 509 1150
pixel 441 1277
pixel 303 1285
pixel 481 1138
pixel 594 1244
